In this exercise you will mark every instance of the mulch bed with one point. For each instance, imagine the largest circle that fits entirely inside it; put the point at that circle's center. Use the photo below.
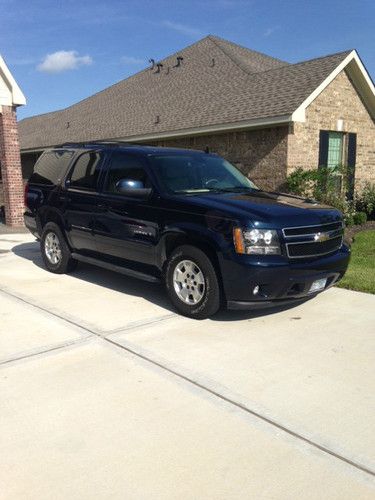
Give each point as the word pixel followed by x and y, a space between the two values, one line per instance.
pixel 351 231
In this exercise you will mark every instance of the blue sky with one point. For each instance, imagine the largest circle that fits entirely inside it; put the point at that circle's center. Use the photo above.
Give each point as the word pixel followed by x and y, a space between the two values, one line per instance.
pixel 63 51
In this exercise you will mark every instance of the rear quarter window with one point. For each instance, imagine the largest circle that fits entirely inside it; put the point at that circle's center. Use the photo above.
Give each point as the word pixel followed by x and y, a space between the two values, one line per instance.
pixel 51 167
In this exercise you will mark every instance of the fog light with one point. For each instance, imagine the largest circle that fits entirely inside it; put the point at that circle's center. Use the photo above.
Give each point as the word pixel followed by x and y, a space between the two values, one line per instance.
pixel 256 290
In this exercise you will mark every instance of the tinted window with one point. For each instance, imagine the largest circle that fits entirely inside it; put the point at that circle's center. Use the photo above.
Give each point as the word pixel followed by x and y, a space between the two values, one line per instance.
pixel 86 171
pixel 51 167
pixel 124 166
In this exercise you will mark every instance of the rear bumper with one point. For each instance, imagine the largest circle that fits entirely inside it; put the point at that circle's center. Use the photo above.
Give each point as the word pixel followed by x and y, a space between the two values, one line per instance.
pixel 280 281
pixel 31 224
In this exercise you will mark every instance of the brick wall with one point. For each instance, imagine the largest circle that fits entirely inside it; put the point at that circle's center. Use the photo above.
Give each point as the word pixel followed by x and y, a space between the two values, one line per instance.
pixel 339 100
pixel 260 154
pixel 11 167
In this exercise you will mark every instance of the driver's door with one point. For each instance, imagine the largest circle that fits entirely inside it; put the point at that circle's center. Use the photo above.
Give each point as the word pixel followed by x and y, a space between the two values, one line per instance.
pixel 126 228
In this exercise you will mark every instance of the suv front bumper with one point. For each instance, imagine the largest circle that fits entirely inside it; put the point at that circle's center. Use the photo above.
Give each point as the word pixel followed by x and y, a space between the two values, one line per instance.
pixel 280 281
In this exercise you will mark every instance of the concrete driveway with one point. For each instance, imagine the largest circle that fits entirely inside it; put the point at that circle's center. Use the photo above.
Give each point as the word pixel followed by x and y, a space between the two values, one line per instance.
pixel 106 393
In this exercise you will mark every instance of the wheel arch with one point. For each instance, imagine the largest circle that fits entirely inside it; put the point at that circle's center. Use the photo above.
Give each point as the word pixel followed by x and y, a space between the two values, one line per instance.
pixel 175 239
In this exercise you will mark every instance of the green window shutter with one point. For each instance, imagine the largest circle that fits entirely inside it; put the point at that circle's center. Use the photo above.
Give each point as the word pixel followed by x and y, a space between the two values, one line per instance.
pixel 352 149
pixel 352 153
pixel 323 148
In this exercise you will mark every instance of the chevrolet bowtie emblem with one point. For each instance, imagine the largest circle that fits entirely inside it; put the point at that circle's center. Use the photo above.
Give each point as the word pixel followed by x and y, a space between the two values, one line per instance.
pixel 320 237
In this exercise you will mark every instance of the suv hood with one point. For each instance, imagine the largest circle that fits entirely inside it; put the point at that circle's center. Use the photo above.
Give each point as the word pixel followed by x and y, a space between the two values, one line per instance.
pixel 264 207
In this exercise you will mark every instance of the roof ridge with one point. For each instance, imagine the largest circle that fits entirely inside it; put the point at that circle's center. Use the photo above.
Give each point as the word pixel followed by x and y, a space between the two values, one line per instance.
pixel 215 37
pixel 323 57
pixel 291 65
pixel 212 39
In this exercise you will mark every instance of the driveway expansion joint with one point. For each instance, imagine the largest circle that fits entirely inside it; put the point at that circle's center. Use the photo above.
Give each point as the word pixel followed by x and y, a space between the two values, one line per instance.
pixel 197 384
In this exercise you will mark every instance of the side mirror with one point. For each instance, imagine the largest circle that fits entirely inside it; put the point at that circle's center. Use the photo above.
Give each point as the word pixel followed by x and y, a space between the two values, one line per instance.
pixel 133 188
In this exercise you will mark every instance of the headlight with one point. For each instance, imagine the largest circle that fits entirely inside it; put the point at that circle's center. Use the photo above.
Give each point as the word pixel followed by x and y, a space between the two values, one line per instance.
pixel 256 241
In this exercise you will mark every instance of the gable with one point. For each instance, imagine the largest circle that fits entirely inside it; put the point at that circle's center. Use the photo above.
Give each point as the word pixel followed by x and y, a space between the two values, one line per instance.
pixel 358 74
pixel 340 100
pixel 10 93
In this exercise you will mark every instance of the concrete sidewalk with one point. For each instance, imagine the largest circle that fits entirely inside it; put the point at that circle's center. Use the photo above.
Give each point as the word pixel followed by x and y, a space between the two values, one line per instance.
pixel 107 393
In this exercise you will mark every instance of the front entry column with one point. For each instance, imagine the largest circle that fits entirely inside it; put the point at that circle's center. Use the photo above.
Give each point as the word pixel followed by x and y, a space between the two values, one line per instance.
pixel 11 171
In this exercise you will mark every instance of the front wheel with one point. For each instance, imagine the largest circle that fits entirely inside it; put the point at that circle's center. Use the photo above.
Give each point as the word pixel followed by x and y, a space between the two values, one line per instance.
pixel 192 283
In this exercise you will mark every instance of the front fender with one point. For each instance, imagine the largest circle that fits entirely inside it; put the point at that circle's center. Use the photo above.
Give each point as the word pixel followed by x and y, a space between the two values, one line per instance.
pixel 192 234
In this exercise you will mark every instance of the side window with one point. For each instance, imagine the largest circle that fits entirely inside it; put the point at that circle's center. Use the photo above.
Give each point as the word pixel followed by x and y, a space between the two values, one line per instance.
pixel 124 166
pixel 51 167
pixel 86 170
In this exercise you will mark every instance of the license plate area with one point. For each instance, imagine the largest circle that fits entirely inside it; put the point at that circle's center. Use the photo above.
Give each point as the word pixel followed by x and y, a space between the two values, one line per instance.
pixel 318 285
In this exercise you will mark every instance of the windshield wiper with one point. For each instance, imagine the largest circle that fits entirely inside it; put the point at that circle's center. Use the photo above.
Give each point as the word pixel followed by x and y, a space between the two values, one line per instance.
pixel 233 189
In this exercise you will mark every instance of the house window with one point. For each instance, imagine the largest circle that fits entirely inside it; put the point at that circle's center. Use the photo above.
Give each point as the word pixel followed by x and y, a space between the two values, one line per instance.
pixel 335 149
pixel 339 148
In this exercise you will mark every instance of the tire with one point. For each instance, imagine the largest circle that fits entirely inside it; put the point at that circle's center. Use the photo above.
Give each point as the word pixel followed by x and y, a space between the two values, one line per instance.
pixel 192 283
pixel 55 251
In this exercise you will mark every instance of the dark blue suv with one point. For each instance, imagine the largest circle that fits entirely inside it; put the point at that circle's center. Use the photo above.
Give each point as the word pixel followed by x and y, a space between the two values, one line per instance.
pixel 187 218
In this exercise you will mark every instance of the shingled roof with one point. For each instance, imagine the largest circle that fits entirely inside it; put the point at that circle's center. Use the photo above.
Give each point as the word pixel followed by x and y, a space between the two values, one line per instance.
pixel 217 83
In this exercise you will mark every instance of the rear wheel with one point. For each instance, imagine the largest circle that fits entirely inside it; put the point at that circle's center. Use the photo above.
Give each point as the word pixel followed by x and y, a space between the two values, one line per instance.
pixel 192 283
pixel 55 251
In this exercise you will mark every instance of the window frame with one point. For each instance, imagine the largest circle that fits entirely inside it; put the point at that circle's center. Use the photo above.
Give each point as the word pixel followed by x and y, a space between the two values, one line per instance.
pixel 64 173
pixel 107 168
pixel 102 163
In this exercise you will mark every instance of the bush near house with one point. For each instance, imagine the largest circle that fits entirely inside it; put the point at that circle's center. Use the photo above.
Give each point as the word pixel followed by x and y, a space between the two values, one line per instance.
pixel 334 186
pixel 365 201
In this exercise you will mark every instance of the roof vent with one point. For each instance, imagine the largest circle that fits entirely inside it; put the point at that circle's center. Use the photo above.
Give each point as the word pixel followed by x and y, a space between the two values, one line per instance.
pixel 212 62
pixel 159 66
pixel 152 62
pixel 157 120
pixel 179 61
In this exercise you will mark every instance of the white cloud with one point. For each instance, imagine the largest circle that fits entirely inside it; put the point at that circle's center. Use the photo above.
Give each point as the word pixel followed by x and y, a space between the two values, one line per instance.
pixel 182 28
pixel 132 60
pixel 63 60
pixel 270 31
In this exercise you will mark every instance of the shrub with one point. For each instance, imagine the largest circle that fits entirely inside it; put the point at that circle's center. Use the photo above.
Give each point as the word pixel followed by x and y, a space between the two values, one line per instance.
pixel 300 182
pixel 332 186
pixel 365 201
pixel 349 221
pixel 360 218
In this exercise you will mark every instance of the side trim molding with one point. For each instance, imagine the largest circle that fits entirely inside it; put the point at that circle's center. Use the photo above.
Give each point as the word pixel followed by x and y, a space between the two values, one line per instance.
pixel 115 268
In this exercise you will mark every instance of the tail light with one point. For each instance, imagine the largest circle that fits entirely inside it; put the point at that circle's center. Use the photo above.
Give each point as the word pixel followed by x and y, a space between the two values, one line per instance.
pixel 26 192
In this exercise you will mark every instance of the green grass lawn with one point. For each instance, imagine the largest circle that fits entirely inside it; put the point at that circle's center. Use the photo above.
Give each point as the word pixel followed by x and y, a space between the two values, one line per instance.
pixel 361 272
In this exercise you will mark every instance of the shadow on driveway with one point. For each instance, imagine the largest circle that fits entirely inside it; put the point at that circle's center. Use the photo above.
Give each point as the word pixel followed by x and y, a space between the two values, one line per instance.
pixel 153 292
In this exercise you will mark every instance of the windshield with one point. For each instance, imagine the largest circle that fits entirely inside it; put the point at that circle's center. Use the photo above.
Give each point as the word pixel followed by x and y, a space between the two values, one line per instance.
pixel 196 173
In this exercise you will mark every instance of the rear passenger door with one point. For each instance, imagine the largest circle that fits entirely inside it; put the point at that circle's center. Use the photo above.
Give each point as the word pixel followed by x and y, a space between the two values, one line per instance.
pixel 80 199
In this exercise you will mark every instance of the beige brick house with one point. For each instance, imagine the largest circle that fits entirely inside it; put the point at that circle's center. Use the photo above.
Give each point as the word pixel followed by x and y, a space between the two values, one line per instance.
pixel 265 115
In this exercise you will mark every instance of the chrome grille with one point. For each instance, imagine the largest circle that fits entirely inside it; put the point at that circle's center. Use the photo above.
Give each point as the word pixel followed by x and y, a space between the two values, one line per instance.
pixel 313 241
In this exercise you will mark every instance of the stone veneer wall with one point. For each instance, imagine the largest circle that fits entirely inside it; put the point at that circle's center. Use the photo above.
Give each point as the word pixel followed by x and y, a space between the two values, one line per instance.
pixel 260 154
pixel 339 100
